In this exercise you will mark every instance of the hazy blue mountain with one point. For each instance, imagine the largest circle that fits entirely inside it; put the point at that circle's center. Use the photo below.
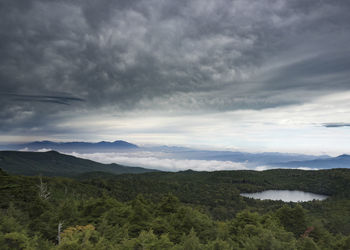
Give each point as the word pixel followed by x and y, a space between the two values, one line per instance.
pixel 341 161
pixel 82 147
pixel 170 152
pixel 52 163
pixel 251 159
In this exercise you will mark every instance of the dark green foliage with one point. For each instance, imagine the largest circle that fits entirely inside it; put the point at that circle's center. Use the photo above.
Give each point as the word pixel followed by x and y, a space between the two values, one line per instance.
pixel 307 244
pixel 293 219
pixel 191 241
pixel 174 211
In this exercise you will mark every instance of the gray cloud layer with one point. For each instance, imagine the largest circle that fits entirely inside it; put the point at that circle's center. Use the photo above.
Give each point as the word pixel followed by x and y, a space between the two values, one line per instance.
pixel 167 55
pixel 336 125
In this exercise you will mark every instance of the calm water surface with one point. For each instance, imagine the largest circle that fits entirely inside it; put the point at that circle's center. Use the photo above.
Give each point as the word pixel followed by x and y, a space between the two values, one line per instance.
pixel 285 195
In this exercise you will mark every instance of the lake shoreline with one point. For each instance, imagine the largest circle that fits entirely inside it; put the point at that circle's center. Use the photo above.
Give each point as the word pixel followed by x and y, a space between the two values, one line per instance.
pixel 285 195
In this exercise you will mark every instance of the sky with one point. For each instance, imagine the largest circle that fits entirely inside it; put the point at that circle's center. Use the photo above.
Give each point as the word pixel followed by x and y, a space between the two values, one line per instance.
pixel 264 75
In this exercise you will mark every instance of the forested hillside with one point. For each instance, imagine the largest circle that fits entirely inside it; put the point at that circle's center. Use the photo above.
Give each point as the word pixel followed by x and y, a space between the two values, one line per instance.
pixel 217 193
pixel 53 163
pixel 186 210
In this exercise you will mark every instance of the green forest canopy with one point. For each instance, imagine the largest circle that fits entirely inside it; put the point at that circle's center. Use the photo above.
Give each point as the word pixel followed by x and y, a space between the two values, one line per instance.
pixel 185 210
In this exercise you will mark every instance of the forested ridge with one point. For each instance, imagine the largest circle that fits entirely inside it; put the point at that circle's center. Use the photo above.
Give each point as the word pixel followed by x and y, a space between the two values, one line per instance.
pixel 184 210
pixel 52 163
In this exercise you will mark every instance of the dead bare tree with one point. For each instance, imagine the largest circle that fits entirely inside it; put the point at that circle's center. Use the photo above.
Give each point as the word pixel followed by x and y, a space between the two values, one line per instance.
pixel 60 224
pixel 43 190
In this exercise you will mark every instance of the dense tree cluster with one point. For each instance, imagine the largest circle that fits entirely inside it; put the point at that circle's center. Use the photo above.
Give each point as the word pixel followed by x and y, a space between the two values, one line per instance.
pixel 87 214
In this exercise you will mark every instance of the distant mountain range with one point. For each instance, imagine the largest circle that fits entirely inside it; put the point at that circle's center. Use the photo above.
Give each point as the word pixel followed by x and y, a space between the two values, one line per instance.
pixel 251 160
pixel 81 147
pixel 171 151
pixel 267 159
pixel 341 161
pixel 52 163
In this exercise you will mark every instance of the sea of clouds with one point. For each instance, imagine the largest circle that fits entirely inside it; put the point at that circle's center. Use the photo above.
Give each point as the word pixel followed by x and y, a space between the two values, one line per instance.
pixel 165 162
pixel 159 161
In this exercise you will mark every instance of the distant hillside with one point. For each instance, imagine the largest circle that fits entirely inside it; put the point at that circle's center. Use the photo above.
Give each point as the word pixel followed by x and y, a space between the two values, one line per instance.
pixel 251 160
pixel 53 163
pixel 341 161
pixel 102 146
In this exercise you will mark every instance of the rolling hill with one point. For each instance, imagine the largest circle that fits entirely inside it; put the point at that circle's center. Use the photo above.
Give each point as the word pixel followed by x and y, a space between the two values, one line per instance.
pixel 52 163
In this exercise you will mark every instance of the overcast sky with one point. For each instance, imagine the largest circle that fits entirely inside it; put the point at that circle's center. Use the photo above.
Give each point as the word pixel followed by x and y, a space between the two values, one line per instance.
pixel 264 75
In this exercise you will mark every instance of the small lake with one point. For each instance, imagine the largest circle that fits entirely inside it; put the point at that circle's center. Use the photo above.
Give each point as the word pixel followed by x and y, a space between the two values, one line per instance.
pixel 285 195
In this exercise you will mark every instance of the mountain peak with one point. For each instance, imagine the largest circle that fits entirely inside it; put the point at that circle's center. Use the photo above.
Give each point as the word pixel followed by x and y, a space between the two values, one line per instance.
pixel 120 141
pixel 52 152
pixel 344 156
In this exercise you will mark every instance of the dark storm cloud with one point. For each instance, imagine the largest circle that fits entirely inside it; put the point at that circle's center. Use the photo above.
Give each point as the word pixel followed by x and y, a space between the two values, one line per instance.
pixel 182 55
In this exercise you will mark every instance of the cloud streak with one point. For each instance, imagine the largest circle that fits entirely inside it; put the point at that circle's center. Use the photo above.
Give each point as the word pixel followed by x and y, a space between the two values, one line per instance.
pixel 336 125
pixel 65 100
